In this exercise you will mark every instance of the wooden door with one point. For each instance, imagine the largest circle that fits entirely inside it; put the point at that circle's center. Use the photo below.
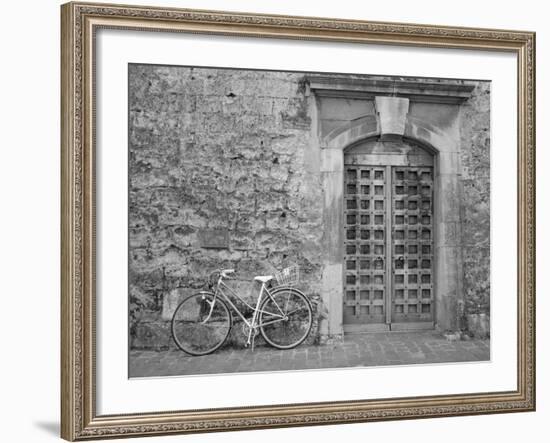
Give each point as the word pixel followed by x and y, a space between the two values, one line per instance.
pixel 388 238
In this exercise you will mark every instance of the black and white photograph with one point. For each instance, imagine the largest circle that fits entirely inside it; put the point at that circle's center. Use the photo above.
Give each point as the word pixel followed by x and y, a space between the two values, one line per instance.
pixel 286 221
pixel 315 221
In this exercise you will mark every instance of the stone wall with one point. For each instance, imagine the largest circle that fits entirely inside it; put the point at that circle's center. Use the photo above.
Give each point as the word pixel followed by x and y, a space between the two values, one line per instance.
pixel 224 172
pixel 476 217
pixel 216 151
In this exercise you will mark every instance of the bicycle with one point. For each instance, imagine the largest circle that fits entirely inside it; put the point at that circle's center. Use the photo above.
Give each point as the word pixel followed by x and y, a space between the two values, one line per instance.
pixel 282 314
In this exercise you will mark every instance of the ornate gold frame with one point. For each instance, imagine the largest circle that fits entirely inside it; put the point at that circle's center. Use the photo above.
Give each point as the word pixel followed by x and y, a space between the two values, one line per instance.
pixel 79 420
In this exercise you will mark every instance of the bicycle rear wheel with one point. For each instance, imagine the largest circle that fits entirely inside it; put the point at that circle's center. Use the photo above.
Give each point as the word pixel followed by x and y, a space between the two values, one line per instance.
pixel 285 318
pixel 201 323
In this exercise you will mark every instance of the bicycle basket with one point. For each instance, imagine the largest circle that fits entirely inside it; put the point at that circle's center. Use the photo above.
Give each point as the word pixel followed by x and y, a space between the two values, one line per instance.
pixel 288 276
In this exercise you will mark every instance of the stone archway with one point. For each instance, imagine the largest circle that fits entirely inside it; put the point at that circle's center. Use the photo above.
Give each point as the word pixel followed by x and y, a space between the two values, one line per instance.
pixel 448 261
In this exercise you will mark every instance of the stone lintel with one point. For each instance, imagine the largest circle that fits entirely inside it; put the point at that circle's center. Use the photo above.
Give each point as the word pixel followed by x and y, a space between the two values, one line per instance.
pixel 429 91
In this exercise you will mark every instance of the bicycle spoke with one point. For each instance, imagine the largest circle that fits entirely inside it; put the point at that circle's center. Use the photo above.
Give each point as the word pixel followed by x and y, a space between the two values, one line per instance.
pixel 264 312
pixel 269 322
pixel 296 310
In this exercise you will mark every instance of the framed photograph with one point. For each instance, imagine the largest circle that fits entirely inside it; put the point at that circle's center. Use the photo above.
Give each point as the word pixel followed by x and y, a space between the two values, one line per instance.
pixel 281 221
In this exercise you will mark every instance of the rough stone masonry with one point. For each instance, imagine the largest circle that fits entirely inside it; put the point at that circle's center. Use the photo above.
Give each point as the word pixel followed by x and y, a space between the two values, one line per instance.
pixel 224 171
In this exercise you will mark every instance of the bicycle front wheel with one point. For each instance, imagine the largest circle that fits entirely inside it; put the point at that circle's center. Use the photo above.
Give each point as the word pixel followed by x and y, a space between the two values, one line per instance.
pixel 285 318
pixel 201 323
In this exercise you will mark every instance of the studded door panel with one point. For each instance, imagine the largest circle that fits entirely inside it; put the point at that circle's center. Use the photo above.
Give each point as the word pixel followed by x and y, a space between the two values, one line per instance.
pixel 365 237
pixel 412 244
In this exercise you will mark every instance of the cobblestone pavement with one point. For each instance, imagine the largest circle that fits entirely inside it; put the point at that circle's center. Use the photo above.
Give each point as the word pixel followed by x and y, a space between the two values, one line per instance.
pixel 376 349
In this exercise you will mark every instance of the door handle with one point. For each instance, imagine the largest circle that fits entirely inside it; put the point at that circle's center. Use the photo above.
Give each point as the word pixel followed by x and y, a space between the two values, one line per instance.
pixel 399 262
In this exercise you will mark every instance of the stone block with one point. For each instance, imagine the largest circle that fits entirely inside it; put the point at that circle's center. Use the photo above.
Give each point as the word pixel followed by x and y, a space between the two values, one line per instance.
pixel 171 301
pixel 448 163
pixel 443 116
pixel 448 198
pixel 392 112
pixel 449 234
pixel 345 109
pixel 479 325
pixel 152 335
pixel 332 282
pixel 332 160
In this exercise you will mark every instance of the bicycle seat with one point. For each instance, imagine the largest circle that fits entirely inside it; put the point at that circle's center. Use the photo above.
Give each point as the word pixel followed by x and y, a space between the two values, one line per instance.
pixel 263 278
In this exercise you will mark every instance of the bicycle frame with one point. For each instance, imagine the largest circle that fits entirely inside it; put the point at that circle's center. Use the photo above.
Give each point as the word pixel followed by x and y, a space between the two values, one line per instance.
pixel 253 323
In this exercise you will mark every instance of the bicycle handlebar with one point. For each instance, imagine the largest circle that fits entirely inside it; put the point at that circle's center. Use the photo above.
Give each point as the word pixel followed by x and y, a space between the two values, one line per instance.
pixel 219 273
